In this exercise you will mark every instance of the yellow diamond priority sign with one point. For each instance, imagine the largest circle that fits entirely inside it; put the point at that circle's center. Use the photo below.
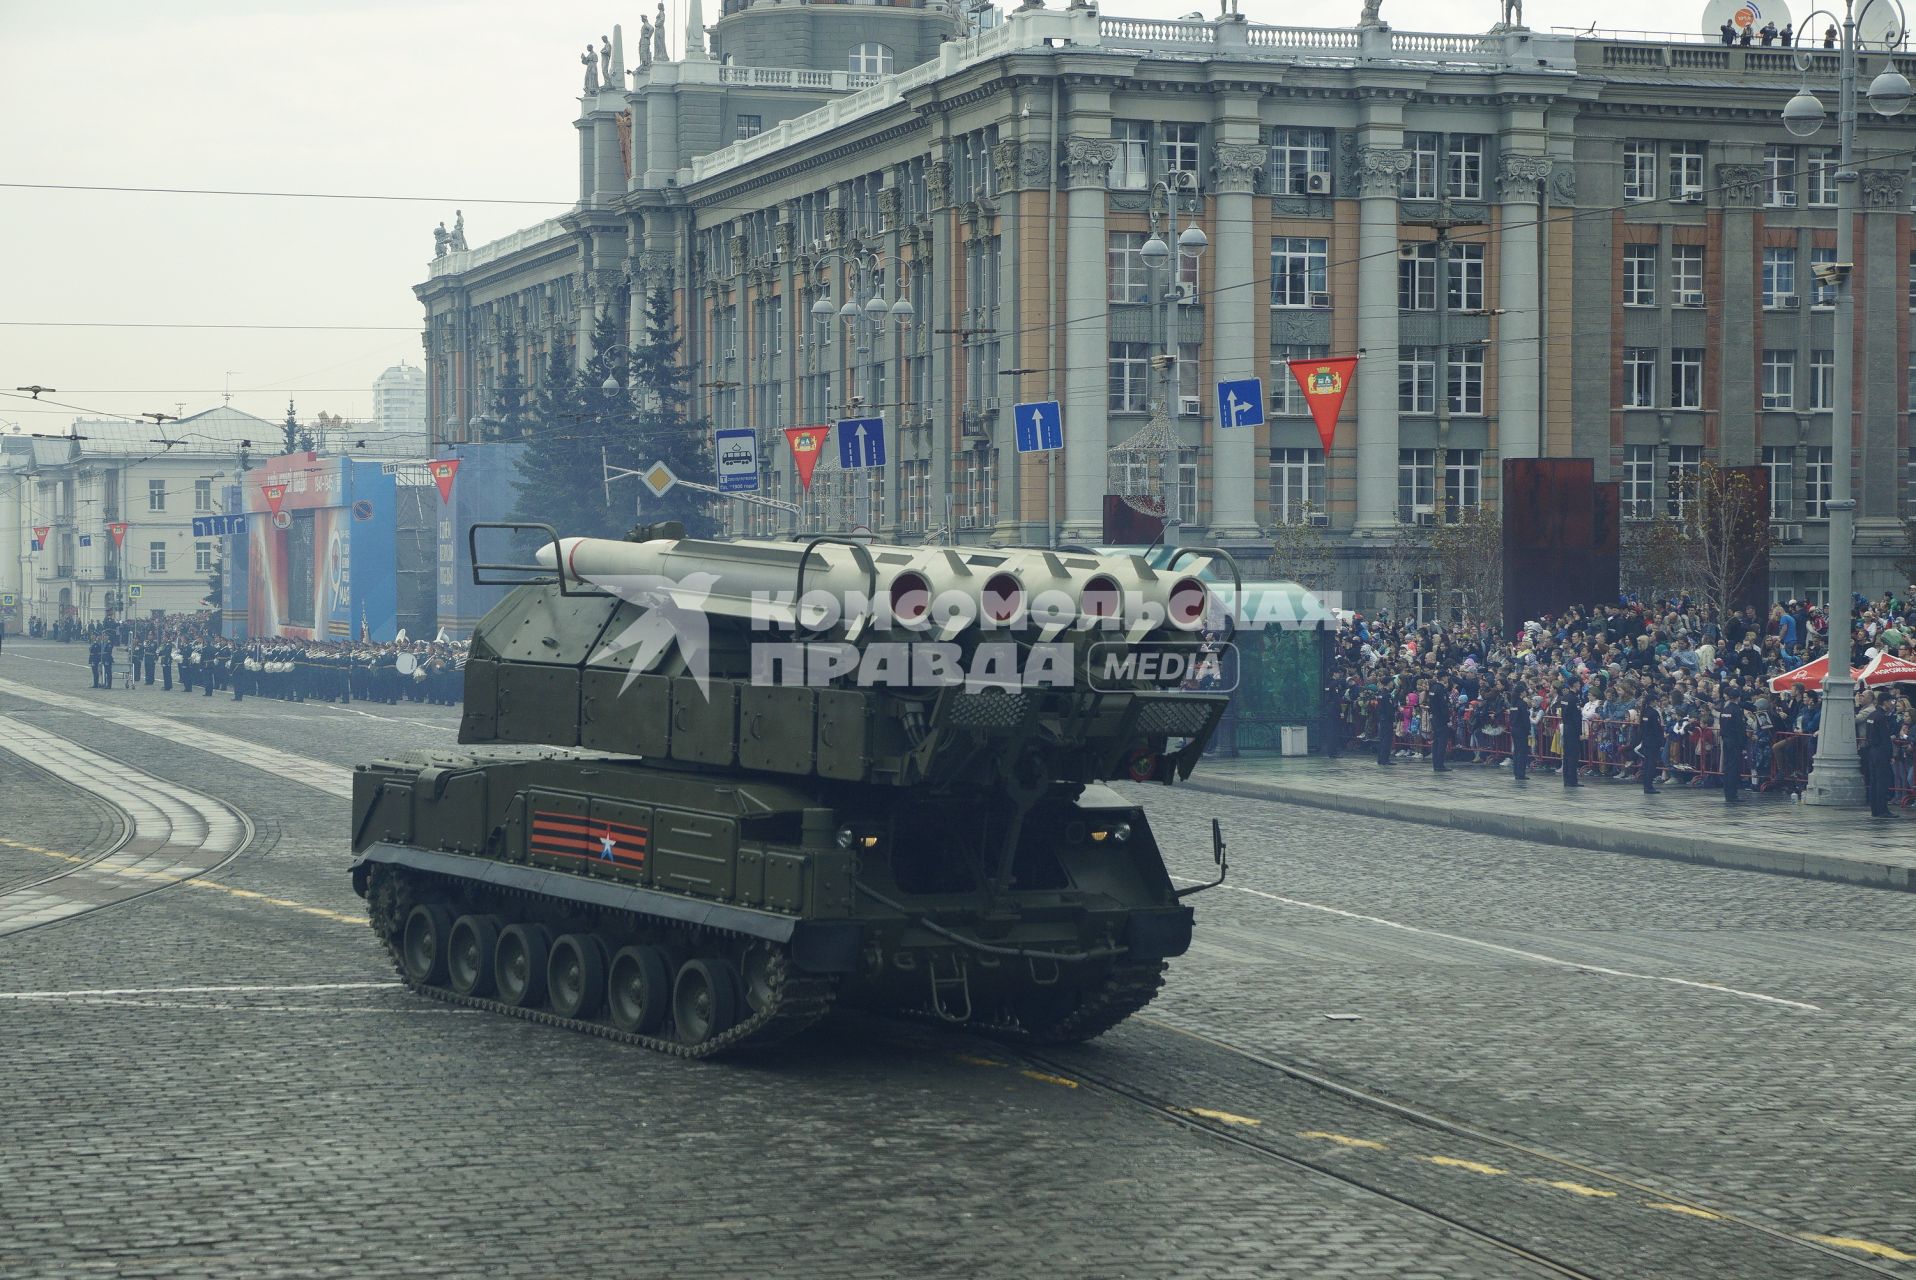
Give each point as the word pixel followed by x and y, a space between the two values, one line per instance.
pixel 658 478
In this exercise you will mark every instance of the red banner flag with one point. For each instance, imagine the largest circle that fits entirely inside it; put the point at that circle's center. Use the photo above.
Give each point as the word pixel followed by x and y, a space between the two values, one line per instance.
pixel 1325 383
pixel 442 471
pixel 275 494
pixel 40 532
pixel 807 443
pixel 118 530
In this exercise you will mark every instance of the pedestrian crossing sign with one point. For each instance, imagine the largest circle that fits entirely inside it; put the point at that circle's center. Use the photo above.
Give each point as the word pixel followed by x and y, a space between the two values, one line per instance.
pixel 135 591
pixel 8 599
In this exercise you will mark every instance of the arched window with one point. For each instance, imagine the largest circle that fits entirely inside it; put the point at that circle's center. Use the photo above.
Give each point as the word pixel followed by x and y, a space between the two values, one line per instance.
pixel 871 59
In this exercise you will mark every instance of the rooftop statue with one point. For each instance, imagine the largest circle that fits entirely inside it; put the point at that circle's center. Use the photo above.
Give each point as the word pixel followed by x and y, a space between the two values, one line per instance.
pixel 591 70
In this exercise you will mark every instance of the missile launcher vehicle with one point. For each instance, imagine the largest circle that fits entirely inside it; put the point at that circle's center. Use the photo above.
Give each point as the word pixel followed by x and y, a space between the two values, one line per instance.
pixel 707 790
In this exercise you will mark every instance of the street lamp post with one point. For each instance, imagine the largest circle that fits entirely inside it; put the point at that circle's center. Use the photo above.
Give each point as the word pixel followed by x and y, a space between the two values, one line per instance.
pixel 864 323
pixel 1834 778
pixel 1160 257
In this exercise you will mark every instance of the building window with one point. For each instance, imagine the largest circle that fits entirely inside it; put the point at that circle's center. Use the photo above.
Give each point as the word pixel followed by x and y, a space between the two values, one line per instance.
pixel 1816 489
pixel 1420 180
pixel 1639 377
pixel 1417 276
pixel 1187 486
pixel 1466 277
pixel 1282 394
pixel 1779 461
pixel 1779 176
pixel 203 557
pixel 1912 281
pixel 1779 277
pixel 1639 171
pixel 1463 482
pixel 1131 166
pixel 202 496
pixel 1298 156
pixel 1464 167
pixel 1779 379
pixel 1130 279
pixel 156 495
pixel 1129 385
pixel 1416 484
pixel 1298 271
pixel 1686 169
pixel 750 126
pixel 1686 275
pixel 1822 379
pixel 156 557
pixel 1417 380
pixel 1686 378
pixel 1178 147
pixel 1297 484
pixel 871 59
pixel 1685 461
pixel 1822 175
pixel 1637 491
pixel 1464 371
pixel 1639 275
pixel 1821 295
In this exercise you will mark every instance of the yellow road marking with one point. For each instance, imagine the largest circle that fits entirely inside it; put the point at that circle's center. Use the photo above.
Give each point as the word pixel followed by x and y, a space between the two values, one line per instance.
pixel 1341 1140
pixel 1475 1166
pixel 1863 1246
pixel 1689 1209
pixel 1574 1188
pixel 970 1061
pixel 1042 1078
pixel 139 873
pixel 1225 1117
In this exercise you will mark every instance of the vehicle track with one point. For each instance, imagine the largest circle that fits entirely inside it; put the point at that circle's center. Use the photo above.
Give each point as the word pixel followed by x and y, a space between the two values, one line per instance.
pixel 1245 1139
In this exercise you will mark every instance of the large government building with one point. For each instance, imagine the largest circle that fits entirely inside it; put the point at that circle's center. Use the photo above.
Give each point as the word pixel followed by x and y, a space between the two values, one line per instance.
pixel 1540 245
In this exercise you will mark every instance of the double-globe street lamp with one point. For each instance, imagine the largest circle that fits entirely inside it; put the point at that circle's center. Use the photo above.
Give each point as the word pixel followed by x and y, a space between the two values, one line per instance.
pixel 864 321
pixel 1158 258
pixel 1834 778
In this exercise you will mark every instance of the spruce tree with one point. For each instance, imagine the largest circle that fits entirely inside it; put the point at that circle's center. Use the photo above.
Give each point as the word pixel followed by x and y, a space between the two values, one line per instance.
pixel 511 412
pixel 666 432
pixel 290 430
pixel 560 480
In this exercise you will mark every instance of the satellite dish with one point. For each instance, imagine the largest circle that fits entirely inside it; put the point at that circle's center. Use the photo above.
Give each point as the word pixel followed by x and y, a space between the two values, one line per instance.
pixel 1880 27
pixel 1753 14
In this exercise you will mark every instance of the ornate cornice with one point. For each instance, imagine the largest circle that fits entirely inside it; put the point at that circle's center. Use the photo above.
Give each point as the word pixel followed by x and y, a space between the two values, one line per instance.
pixel 938 183
pixel 1236 166
pixel 1518 176
pixel 1007 163
pixel 1087 161
pixel 1739 184
pixel 1378 170
pixel 1883 189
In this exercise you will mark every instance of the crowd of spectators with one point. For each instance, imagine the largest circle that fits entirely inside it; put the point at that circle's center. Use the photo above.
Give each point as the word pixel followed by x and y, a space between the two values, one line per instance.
pixel 1647 690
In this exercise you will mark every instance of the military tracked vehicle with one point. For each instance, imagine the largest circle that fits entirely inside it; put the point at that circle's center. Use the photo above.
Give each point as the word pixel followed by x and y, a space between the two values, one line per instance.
pixel 710 789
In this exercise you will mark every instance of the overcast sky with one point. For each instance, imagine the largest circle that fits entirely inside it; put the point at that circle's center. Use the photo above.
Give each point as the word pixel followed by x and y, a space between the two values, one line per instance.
pixel 458 100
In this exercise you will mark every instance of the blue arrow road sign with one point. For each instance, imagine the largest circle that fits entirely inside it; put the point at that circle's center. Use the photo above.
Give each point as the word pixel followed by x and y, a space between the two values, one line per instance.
pixel 735 450
pixel 1241 403
pixel 1038 426
pixel 861 443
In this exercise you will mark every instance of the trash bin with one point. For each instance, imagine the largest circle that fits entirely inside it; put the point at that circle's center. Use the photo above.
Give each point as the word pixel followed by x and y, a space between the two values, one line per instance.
pixel 1294 740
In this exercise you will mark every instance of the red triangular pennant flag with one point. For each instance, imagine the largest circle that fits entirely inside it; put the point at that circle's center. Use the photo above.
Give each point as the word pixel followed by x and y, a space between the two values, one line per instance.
pixel 443 470
pixel 40 532
pixel 118 531
pixel 807 443
pixel 1325 383
pixel 275 494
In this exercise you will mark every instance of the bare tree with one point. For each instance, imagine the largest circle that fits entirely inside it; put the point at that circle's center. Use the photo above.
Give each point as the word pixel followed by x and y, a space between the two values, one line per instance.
pixel 1724 518
pixel 1301 553
pixel 1467 545
pixel 1398 565
pixel 1654 558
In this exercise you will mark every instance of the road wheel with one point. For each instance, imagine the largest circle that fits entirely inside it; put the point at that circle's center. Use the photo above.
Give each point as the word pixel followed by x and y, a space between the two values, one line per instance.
pixel 761 977
pixel 704 1000
pixel 470 955
pixel 519 964
pixel 424 946
pixel 639 990
pixel 575 976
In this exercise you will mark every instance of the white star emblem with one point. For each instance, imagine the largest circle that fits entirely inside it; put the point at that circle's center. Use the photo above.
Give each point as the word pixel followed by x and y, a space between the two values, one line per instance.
pixel 605 847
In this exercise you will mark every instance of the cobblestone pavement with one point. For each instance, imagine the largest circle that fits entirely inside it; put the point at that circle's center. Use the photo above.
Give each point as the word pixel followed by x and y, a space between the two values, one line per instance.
pixel 221 1078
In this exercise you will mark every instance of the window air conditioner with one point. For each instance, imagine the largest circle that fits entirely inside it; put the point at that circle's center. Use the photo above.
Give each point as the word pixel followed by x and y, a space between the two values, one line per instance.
pixel 991 404
pixel 1787 532
pixel 1320 518
pixel 1321 301
pixel 1424 513
pixel 731 353
pixel 1690 298
pixel 1407 251
pixel 1784 199
pixel 1188 406
pixel 1186 294
pixel 1789 301
pixel 1689 195
pixel 1317 184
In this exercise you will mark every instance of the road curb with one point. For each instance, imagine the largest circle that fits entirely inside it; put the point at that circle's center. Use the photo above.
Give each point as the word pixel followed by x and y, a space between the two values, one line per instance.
pixel 1576 835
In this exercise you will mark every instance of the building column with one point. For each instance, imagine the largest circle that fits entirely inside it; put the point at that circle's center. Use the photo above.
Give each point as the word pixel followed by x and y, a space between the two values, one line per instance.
pixel 942 257
pixel 1881 361
pixel 1520 432
pixel 1009 529
pixel 661 125
pixel 1087 161
pixel 1232 311
pixel 1378 172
